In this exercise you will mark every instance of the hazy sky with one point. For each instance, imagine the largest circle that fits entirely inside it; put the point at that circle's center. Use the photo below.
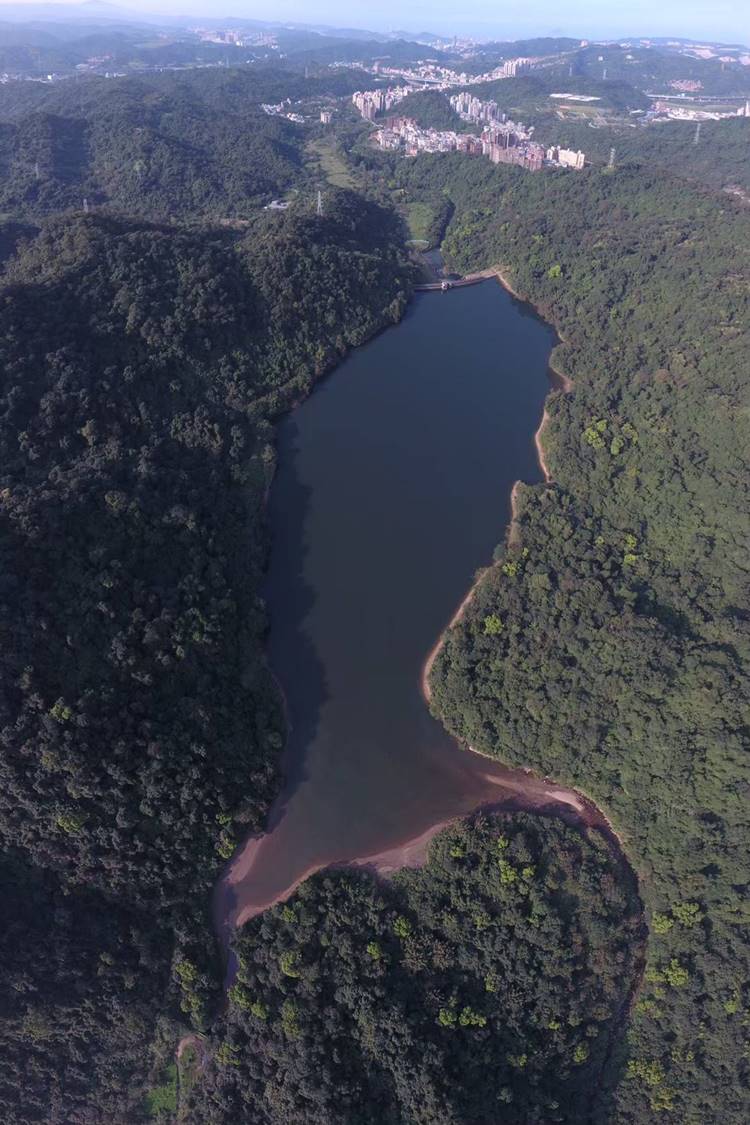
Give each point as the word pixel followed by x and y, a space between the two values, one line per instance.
pixel 718 19
pixel 727 20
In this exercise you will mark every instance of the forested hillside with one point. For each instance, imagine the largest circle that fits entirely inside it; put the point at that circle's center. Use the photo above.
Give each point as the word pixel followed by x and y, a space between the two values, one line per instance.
pixel 194 146
pixel 489 986
pixel 719 157
pixel 146 349
pixel 141 367
pixel 609 647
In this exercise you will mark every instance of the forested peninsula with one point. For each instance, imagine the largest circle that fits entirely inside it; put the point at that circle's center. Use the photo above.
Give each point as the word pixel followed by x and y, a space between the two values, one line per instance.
pixel 488 986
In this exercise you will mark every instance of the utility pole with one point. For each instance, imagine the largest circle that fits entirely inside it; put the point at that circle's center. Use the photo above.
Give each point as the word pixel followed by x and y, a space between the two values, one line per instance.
pixel 85 205
pixel 319 209
pixel 611 161
pixel 36 169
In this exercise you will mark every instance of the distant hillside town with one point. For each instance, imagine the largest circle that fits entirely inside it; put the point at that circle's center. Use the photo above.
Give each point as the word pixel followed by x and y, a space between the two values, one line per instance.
pixel 433 76
pixel 502 140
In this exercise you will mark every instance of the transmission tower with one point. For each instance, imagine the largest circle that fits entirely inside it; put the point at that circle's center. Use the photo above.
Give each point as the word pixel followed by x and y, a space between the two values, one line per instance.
pixel 85 205
pixel 319 208
pixel 36 170
pixel 611 161
pixel 697 136
pixel 604 74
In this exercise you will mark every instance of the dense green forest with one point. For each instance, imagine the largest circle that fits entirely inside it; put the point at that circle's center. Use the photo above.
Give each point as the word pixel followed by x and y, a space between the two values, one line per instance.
pixel 146 351
pixel 189 146
pixel 525 95
pixel 140 729
pixel 489 986
pixel 718 159
pixel 620 664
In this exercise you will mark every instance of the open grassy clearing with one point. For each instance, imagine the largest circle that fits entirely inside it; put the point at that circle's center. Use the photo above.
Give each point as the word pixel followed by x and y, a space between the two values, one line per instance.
pixel 419 216
pixel 331 163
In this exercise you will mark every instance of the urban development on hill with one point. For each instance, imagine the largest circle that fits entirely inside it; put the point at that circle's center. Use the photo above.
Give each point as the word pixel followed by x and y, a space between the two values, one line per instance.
pixel 374 515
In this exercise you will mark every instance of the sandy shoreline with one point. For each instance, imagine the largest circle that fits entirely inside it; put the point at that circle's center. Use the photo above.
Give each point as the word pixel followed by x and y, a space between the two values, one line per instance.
pixel 518 790
pixel 432 655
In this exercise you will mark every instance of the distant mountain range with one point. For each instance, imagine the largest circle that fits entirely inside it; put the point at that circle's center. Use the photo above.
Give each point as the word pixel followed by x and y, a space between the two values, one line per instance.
pixel 100 11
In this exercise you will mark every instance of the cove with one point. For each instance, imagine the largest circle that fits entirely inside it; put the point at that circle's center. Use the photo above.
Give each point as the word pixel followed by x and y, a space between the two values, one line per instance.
pixel 393 486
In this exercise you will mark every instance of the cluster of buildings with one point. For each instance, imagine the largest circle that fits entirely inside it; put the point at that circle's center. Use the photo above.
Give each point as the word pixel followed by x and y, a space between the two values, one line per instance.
pixel 403 134
pixel 565 157
pixel 686 85
pixel 510 69
pixel 470 108
pixel 668 111
pixel 283 110
pixel 372 102
pixel 236 38
pixel 503 142
pixel 432 76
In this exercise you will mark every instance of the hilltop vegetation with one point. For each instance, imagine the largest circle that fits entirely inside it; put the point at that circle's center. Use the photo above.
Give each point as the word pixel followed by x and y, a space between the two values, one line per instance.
pixel 431 110
pixel 488 986
pixel 193 146
pixel 718 159
pixel 140 727
pixel 618 655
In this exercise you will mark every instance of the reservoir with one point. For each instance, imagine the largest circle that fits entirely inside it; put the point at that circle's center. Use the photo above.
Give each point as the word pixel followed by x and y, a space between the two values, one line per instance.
pixel 393 487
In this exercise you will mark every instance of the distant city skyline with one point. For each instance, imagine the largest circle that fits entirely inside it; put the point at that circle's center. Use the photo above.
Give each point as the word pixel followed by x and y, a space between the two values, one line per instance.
pixel 722 20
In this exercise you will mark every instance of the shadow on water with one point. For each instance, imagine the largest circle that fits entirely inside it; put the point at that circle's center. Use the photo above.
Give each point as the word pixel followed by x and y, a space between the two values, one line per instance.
pixel 291 598
pixel 392 487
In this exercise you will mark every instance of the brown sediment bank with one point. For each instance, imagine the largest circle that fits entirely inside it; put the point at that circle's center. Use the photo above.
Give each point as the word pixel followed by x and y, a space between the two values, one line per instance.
pixel 506 789
pixel 432 655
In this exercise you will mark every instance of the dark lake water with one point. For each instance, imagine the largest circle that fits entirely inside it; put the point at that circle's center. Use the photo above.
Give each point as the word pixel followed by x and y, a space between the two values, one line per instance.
pixel 393 487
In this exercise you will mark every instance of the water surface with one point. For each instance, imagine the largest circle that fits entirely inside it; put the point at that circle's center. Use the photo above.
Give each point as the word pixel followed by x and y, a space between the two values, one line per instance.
pixel 393 487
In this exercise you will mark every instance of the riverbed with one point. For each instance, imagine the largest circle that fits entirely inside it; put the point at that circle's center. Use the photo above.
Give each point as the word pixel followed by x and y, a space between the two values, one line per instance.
pixel 393 487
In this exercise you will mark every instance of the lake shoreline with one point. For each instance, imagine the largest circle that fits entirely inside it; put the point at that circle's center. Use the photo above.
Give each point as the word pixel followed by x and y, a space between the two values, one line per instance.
pixel 518 789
